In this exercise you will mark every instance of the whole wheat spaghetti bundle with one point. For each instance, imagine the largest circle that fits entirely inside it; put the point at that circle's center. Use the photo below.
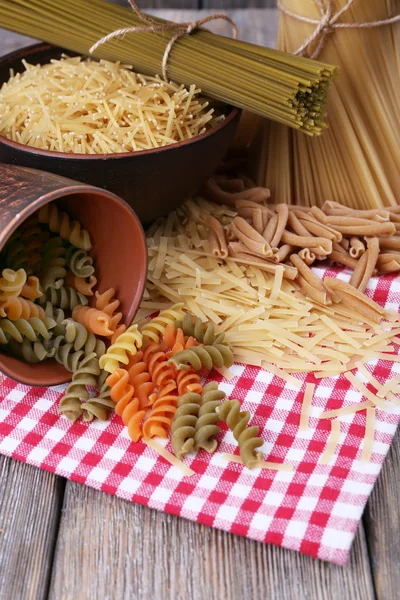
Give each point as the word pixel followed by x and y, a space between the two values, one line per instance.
pixel 357 161
pixel 282 87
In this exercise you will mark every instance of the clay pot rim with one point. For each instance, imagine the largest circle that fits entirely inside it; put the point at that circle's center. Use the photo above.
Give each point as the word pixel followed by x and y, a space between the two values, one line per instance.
pixel 32 208
pixel 233 112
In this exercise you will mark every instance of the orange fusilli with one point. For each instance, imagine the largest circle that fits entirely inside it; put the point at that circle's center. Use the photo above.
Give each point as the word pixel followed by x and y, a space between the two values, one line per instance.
pixel 162 412
pixel 108 304
pixel 139 377
pixel 126 406
pixel 157 363
pixel 94 320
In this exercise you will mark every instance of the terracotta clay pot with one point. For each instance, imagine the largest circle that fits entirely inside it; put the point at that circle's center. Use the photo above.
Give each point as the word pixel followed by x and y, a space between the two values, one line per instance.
pixel 153 182
pixel 119 246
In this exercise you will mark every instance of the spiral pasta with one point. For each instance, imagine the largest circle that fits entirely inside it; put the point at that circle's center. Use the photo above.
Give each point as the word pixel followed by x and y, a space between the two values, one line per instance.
pixel 229 411
pixel 95 321
pixel 64 297
pixel 83 339
pixel 188 381
pixel 202 332
pixel 80 284
pixel 160 417
pixel 155 328
pixel 198 357
pixel 57 314
pixel 16 307
pixel 34 352
pixel 140 378
pixel 22 249
pixel 59 222
pixel 157 364
pixel 127 343
pixel 29 328
pixel 65 353
pixel 85 375
pixel 206 427
pixel 183 427
pixel 98 407
pixel 80 263
pixel 31 288
pixel 11 283
pixel 109 304
pixel 126 406
pixel 174 338
pixel 53 263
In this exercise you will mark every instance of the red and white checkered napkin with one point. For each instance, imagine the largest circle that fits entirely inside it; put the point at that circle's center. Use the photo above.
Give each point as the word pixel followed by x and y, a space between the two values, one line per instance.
pixel 314 509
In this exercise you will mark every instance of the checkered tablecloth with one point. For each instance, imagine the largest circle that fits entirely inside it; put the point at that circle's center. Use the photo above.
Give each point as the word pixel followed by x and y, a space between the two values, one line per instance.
pixel 315 508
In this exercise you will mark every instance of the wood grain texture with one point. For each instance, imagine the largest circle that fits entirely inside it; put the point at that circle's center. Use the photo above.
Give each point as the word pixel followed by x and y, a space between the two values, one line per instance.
pixel 109 548
pixel 382 524
pixel 30 505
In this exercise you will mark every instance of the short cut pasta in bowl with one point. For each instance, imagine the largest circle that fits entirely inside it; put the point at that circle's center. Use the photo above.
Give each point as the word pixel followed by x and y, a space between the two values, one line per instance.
pixel 73 265
pixel 150 141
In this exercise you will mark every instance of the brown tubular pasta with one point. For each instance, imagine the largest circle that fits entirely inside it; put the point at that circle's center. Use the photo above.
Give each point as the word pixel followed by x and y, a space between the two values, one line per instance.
pixel 289 272
pixel 390 243
pixel 357 247
pixel 319 229
pixel 295 224
pixel 250 237
pixel 335 209
pixel 354 299
pixel 345 243
pixel 322 297
pixel 341 256
pixel 305 271
pixel 354 226
pixel 270 229
pixel 230 185
pixel 217 241
pixel 307 256
pixel 366 266
pixel 318 214
pixel 258 221
pixel 388 263
pixel 324 246
pixel 216 193
pixel 282 212
pixel 281 253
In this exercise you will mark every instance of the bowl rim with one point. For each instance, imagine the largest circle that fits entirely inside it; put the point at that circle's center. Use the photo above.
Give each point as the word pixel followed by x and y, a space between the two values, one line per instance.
pixel 234 112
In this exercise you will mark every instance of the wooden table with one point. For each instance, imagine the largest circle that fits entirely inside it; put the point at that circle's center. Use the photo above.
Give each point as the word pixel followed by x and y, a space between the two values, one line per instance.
pixel 62 540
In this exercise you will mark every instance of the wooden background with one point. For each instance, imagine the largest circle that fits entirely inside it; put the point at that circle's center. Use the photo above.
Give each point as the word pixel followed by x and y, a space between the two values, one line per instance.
pixel 63 541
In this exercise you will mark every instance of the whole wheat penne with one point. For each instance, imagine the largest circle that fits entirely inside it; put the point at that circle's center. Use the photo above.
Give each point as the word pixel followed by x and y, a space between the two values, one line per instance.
pixel 318 214
pixel 230 232
pixel 307 242
pixel 353 298
pixel 282 212
pixel 289 272
pixel 390 243
pixel 349 226
pixel 306 255
pixel 279 254
pixel 220 249
pixel 230 185
pixel 270 229
pixel 305 271
pixel 250 237
pixel 345 243
pixel 322 297
pixel 358 273
pixel 387 257
pixel 320 229
pixel 389 267
pixel 294 223
pixel 217 194
pixel 370 265
pixel 336 209
pixel 258 221
pixel 357 247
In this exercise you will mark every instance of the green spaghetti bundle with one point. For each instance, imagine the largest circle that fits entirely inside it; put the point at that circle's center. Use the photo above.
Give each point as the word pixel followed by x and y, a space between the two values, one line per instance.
pixel 274 84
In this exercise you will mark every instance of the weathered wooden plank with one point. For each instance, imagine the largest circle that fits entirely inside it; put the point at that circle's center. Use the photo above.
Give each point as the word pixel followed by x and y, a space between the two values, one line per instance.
pixel 232 4
pixel 146 4
pixel 108 548
pixel 382 525
pixel 30 505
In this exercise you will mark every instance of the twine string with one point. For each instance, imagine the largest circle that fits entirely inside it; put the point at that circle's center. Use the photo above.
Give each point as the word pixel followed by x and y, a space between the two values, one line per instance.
pixel 328 23
pixel 150 25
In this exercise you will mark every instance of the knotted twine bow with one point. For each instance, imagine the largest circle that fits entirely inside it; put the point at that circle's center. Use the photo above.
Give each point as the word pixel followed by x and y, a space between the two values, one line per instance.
pixel 328 23
pixel 152 26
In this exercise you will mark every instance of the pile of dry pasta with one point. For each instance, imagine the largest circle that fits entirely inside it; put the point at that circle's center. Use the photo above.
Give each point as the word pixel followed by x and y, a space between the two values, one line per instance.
pixel 246 268
pixel 90 107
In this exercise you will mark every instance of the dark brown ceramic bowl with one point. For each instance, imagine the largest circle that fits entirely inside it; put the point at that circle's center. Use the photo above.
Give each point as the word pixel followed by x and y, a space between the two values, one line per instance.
pixel 119 246
pixel 153 182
